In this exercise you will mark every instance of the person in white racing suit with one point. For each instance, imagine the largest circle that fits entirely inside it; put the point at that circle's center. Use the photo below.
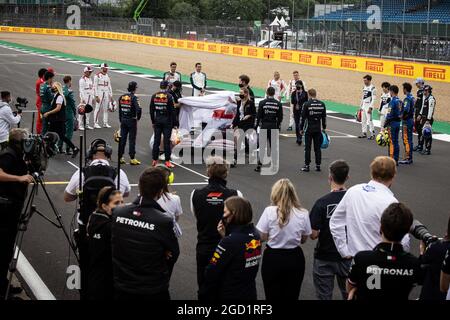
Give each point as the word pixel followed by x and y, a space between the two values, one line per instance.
pixel 103 96
pixel 384 105
pixel 198 81
pixel 367 107
pixel 278 84
pixel 86 88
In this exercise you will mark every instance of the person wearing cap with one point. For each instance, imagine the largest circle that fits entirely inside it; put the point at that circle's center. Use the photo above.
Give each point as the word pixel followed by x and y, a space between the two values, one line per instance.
pixel 163 116
pixel 420 83
pixel 46 94
pixel 103 96
pixel 86 95
pixel 129 114
pixel 426 118
pixel 40 80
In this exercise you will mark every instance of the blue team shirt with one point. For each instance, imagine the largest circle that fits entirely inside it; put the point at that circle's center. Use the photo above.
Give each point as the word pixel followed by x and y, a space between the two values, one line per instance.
pixel 408 107
pixel 394 110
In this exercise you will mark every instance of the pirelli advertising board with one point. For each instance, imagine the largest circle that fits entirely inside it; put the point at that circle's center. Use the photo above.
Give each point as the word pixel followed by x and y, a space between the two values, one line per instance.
pixel 370 65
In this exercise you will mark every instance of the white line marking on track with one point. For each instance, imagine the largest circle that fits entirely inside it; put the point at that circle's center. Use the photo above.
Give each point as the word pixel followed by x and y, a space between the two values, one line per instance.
pixel 179 184
pixel 73 164
pixel 190 170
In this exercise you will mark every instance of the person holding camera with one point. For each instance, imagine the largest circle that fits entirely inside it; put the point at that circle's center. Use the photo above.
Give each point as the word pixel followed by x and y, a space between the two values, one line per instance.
pixel 387 272
pixel 14 180
pixel 232 269
pixel 432 255
pixel 56 117
pixel 7 118
pixel 143 243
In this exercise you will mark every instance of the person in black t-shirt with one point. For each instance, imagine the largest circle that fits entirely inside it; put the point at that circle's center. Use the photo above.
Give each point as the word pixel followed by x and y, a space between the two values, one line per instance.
pixel 431 259
pixel 328 263
pixel 387 272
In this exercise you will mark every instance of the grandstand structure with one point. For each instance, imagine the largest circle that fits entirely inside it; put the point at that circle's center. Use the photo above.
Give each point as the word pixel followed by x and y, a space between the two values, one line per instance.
pixel 410 29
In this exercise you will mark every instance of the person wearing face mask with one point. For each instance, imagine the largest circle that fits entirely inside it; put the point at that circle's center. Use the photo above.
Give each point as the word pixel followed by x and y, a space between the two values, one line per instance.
pixel 244 118
pixel 56 117
pixel 143 243
pixel 355 223
pixel 244 81
pixel 176 90
pixel 232 269
pixel 100 278
pixel 298 98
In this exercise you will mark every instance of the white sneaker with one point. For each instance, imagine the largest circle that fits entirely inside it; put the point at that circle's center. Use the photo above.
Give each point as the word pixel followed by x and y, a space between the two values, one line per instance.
pixel 81 128
pixel 106 125
pixel 162 157
pixel 97 126
pixel 89 127
pixel 174 157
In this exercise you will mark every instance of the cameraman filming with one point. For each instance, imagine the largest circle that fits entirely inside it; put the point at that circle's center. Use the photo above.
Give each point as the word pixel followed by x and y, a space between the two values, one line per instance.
pixel 7 118
pixel 14 181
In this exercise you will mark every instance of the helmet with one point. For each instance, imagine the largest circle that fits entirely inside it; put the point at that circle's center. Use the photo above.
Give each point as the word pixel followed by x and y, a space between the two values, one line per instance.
pixel 427 131
pixel 325 141
pixel 117 136
pixel 84 108
pixel 382 139
pixel 112 106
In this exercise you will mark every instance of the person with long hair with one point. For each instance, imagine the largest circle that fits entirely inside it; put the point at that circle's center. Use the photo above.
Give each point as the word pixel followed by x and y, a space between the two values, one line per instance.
pixel 232 269
pixel 56 117
pixel 100 274
pixel 285 226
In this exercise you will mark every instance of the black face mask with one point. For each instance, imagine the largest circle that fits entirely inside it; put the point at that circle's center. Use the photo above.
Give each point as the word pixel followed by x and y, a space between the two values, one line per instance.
pixel 241 96
pixel 299 88
pixel 241 85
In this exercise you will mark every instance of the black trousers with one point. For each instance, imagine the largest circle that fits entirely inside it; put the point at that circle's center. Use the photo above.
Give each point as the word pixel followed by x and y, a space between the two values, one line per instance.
pixel 166 130
pixel 422 140
pixel 59 127
pixel 310 138
pixel 268 145
pixel 8 232
pixel 83 254
pixel 203 257
pixel 297 118
pixel 126 296
pixel 282 273
pixel 128 127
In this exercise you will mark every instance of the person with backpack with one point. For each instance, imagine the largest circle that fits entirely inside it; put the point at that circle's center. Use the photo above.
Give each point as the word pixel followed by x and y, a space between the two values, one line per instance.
pixel 97 175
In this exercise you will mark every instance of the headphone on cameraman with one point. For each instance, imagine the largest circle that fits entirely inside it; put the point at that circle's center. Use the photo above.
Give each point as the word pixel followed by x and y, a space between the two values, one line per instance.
pixel 99 145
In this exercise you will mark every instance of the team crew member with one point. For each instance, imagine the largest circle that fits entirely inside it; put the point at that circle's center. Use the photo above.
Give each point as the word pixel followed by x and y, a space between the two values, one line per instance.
pixel 198 81
pixel 387 272
pixel 71 112
pixel 367 106
pixel 355 224
pixel 86 88
pixel 163 118
pixel 7 118
pixel 285 226
pixel 392 123
pixel 298 98
pixel 291 88
pixel 445 275
pixel 244 81
pixel 103 95
pixel 207 205
pixel 420 83
pixel 328 263
pixel 269 117
pixel 172 75
pixel 244 118
pixel 46 95
pixel 407 123
pixel 431 258
pixel 426 118
pixel 14 182
pixel 143 243
pixel 129 114
pixel 100 278
pixel 384 105
pixel 40 80
pixel 314 122
pixel 176 90
pixel 278 84
pixel 56 118
pixel 232 270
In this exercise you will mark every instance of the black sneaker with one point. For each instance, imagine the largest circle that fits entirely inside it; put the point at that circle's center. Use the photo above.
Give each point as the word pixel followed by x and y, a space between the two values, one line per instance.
pixel 318 169
pixel 417 148
pixel 258 169
pixel 75 153
pixel 299 142
pixel 425 152
pixel 305 168
pixel 289 129
pixel 69 152
pixel 364 135
pixel 233 164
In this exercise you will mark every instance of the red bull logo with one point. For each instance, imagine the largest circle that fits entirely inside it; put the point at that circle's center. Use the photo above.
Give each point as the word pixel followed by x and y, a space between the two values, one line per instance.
pixel 403 70
pixel 253 245
pixel 215 258
pixel 434 73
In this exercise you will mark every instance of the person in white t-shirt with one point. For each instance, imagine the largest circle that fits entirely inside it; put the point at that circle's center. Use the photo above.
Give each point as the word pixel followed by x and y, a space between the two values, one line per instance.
pixel 285 226
pixel 278 84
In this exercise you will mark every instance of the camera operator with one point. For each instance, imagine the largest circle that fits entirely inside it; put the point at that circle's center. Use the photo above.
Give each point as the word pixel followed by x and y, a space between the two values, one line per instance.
pixel 432 255
pixel 14 181
pixel 7 118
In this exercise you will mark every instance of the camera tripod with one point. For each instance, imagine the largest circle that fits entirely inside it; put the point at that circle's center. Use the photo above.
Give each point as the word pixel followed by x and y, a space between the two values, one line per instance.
pixel 28 212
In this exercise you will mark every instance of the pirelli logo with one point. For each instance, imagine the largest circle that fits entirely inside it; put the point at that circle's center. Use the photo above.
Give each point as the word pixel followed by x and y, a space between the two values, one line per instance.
pixel 224 49
pixel 200 46
pixel 403 70
pixel 269 54
pixel 18 30
pixel 162 42
pixel 61 32
pixel 212 47
pixel 191 45
pixel 286 56
pixel 96 34
pixel 434 73
pixel 27 30
pixel 155 41
pixel 237 50
pixel 348 63
pixel 305 58
pixel 71 33
pixel 172 43
pixel 252 52
pixel 374 66
pixel 51 31
pixel 148 40
pixel 180 44
pixel 325 61
pixel 4 29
